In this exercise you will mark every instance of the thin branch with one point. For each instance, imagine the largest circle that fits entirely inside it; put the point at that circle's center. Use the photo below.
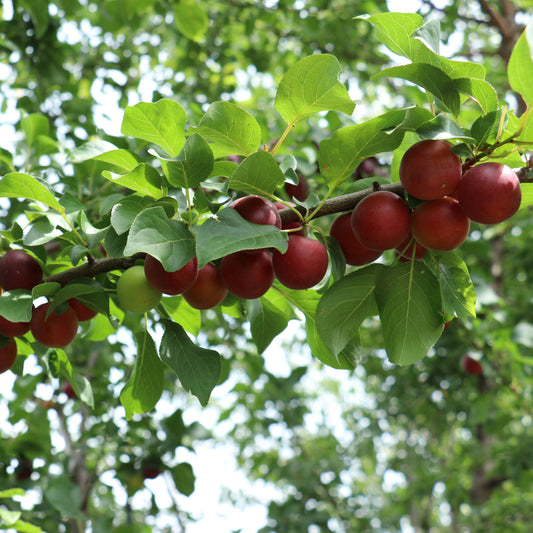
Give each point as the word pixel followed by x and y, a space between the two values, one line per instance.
pixel 94 267
pixel 496 19
pixel 340 204
pixel 337 205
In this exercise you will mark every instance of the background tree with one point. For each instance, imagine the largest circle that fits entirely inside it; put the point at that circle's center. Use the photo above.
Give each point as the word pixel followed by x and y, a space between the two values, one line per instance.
pixel 375 447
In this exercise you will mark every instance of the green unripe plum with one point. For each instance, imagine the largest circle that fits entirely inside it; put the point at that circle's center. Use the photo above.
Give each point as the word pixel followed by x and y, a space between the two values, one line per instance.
pixel 135 293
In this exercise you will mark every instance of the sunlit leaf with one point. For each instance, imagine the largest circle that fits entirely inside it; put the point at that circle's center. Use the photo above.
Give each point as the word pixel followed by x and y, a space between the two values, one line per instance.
pixel 310 86
pixel 161 123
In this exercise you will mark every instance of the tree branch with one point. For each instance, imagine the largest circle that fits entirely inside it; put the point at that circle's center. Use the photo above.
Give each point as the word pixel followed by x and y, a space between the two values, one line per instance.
pixel 337 205
pixel 94 267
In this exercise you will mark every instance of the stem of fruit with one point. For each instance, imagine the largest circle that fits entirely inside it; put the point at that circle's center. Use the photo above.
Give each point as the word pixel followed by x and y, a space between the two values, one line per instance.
pixel 75 231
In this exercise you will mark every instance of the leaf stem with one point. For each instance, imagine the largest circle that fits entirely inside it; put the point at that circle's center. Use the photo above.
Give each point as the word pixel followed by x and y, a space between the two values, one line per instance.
pixel 283 137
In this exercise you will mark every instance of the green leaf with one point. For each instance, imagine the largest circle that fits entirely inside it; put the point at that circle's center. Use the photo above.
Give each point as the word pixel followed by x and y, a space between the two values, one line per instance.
pixel 194 164
pixel 458 293
pixel 394 30
pixel 269 316
pixel 520 66
pixel 230 129
pixel 311 86
pixel 345 305
pixel 90 150
pixel 161 123
pixel 181 312
pixel 34 126
pixel 144 388
pixel 25 527
pixel 64 496
pixel 191 19
pixel 405 34
pixel 184 478
pixel 16 305
pixel 7 517
pixel 9 493
pixel 480 91
pixel 485 129
pixel 259 174
pixel 80 383
pixel 527 199
pixel 340 155
pixel 198 369
pixel 526 134
pixel 19 185
pixel 442 127
pixel 85 290
pixel 229 232
pixel 307 301
pixel 48 288
pixel 119 161
pixel 166 239
pixel 143 179
pixel 410 308
pixel 429 34
pixel 431 78
pixel 124 212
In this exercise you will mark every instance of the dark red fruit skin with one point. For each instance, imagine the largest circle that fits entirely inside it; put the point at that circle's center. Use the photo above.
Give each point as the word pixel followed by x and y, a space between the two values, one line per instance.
pixel 171 283
pixel 471 366
pixel 303 265
pixel 83 312
pixel 354 252
pixel 151 472
pixel 489 193
pixel 68 389
pixel 8 355
pixel 247 275
pixel 381 220
pixel 13 329
pixel 19 270
pixel 257 209
pixel 297 228
pixel 24 469
pixel 300 191
pixel 440 224
pixel 406 249
pixel 58 330
pixel 430 170
pixel 366 168
pixel 208 290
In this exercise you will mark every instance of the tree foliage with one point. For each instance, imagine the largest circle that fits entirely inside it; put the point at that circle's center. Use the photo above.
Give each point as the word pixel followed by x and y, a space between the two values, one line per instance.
pixel 379 427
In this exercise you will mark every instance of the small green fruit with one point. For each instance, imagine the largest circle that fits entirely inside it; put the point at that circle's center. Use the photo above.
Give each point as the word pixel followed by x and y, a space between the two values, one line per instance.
pixel 135 293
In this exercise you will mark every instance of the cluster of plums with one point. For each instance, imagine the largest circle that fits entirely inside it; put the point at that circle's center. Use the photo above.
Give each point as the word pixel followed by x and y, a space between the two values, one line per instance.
pixel 444 202
pixel 247 274
pixel 57 329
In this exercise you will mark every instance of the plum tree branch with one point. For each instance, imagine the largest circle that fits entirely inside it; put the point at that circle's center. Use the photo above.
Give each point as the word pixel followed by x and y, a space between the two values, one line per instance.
pixel 94 267
pixel 339 204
